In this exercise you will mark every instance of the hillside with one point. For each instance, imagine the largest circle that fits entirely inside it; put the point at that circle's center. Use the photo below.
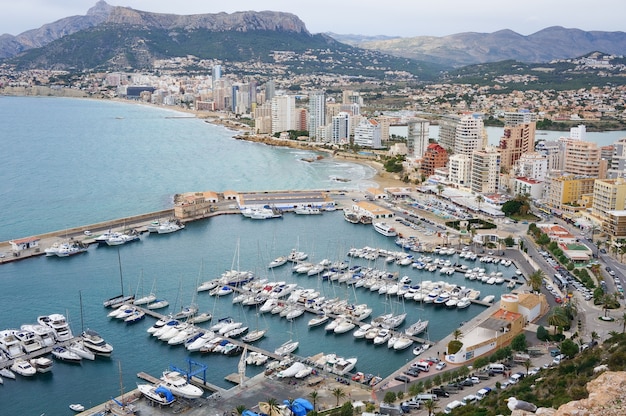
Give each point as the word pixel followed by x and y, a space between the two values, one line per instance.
pixel 472 48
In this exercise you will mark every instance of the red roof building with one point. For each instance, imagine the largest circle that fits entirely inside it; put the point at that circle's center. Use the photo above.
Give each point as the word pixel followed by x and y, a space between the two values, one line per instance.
pixel 434 157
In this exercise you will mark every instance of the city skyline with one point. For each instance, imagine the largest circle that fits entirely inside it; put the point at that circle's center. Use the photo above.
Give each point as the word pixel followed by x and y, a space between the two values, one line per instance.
pixel 395 18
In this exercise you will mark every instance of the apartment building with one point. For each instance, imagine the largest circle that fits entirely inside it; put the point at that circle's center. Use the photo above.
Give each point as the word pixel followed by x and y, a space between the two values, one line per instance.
pixel 608 195
pixel 485 170
pixel 459 170
pixel 417 136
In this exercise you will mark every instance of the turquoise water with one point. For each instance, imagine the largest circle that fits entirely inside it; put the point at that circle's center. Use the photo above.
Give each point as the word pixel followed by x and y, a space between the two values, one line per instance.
pixel 173 264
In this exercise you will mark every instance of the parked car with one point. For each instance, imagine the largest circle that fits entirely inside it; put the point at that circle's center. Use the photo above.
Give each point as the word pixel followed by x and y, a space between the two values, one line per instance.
pixel 467 383
pixel 440 365
pixel 440 392
pixel 402 378
pixel 413 372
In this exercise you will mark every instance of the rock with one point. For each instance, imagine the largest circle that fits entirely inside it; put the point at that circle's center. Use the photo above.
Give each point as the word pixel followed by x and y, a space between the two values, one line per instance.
pixel 607 397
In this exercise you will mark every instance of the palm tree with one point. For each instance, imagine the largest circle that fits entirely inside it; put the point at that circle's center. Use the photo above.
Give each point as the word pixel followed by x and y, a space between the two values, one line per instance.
pixel 457 334
pixel 557 318
pixel 536 280
pixel 339 394
pixel 440 189
pixel 314 395
pixel 273 408
pixel 594 336
pixel 479 200
pixel 240 409
pixel 623 319
pixel 430 406
pixel 607 301
pixel 527 364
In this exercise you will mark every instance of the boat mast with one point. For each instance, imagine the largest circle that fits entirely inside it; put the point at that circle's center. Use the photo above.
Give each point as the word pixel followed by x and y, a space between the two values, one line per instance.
pixel 119 261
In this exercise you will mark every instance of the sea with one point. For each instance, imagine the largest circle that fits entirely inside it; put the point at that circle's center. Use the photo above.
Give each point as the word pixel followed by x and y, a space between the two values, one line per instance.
pixel 71 162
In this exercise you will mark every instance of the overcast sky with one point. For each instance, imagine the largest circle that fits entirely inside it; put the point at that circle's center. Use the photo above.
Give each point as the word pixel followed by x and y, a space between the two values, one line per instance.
pixel 366 17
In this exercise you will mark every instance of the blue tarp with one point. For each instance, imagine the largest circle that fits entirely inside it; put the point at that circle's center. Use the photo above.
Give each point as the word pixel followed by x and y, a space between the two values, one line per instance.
pixel 299 407
pixel 165 392
pixel 249 413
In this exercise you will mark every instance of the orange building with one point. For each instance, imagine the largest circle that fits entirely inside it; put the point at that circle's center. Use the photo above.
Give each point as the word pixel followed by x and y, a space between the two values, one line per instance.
pixel 435 157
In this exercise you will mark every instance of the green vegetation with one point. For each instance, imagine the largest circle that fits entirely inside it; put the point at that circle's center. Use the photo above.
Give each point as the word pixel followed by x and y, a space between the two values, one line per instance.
pixel 394 164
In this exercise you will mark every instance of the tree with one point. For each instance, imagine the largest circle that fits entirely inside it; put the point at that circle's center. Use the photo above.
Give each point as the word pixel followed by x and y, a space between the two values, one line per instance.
pixel 479 200
pixel 509 241
pixel 569 348
pixel 457 333
pixel 347 409
pixel 273 408
pixel 527 364
pixel 519 342
pixel 314 395
pixel 557 318
pixel 536 279
pixel 542 333
pixel 440 188
pixel 430 406
pixel 390 397
pixel 240 409
pixel 594 336
pixel 339 394
pixel 543 239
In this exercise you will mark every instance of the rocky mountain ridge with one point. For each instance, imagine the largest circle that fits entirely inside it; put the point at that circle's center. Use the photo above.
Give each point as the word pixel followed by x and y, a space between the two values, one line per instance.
pixel 103 13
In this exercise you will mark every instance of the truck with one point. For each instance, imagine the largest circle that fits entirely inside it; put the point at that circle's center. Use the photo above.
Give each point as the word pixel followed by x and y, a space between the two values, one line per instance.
pixel 520 358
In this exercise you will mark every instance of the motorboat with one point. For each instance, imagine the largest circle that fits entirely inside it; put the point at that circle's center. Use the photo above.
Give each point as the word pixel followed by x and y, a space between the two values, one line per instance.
pixel 256 358
pixel 360 333
pixel 318 320
pixel 305 372
pixel 158 304
pixel 63 354
pixel 59 324
pixel 287 348
pixel 168 227
pixel 179 386
pixel 172 331
pixel 489 299
pixel 10 344
pixel 208 285
pixel 385 229
pixel 420 349
pixel 135 317
pixel 23 368
pixel 416 328
pixel 160 395
pixel 236 332
pixel 42 364
pixel 186 312
pixel 78 348
pixel 184 335
pixel 30 341
pixel 77 407
pixel 304 210
pixel 117 238
pixel 291 371
pixel 383 336
pixel 158 324
pixel 94 342
pixel 65 249
pixel 45 333
pixel 344 326
pixel 199 342
pixel 340 365
pixel 221 291
pixel 7 373
pixel 463 303
pixel 278 261
pixel 403 342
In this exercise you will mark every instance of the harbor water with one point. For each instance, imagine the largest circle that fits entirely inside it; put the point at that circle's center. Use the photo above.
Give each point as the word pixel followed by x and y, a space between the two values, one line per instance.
pixel 71 162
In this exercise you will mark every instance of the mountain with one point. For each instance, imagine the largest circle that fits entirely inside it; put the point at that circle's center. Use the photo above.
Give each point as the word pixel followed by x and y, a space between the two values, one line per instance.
pixel 116 38
pixel 473 48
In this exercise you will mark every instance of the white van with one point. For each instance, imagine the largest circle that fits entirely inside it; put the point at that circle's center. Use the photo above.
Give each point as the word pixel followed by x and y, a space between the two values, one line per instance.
pixel 480 394
pixel 469 399
pixel 451 406
pixel 423 366
pixel 496 368
pixel 424 397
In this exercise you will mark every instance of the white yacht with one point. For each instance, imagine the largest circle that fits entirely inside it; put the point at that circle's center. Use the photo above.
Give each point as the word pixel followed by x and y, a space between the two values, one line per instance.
pixel 57 322
pixel 179 386
pixel 416 328
pixel 278 261
pixel 42 364
pixel 10 344
pixel 94 342
pixel 47 334
pixel 385 229
pixel 30 341
pixel 157 394
pixel 23 368
pixel 303 210
pixel 287 348
pixel 169 227
pixel 340 365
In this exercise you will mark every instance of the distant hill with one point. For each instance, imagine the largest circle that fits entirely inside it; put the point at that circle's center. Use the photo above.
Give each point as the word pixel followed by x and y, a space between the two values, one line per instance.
pixel 115 38
pixel 472 48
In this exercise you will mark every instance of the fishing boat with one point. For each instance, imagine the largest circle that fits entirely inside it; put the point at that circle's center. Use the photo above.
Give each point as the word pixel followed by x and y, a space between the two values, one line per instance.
pixel 385 229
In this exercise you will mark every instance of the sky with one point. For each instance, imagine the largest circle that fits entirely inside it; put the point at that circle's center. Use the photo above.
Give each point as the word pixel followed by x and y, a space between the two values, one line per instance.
pixel 405 18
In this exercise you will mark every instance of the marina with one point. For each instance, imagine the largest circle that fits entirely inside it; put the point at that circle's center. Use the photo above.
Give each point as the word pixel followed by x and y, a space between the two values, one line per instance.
pixel 306 233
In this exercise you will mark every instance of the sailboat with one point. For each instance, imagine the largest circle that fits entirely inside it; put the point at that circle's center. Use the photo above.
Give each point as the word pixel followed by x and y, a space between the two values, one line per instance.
pixel 121 406
pixel 256 334
pixel 287 347
pixel 119 299
pixel 144 300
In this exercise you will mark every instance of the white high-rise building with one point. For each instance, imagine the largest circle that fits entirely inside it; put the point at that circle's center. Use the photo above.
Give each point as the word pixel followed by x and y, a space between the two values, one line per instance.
pixel 368 134
pixel 532 165
pixel 317 112
pixel 470 135
pixel 283 113
pixel 618 160
pixel 341 128
pixel 417 136
pixel 578 133
pixel 485 170
pixel 459 170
